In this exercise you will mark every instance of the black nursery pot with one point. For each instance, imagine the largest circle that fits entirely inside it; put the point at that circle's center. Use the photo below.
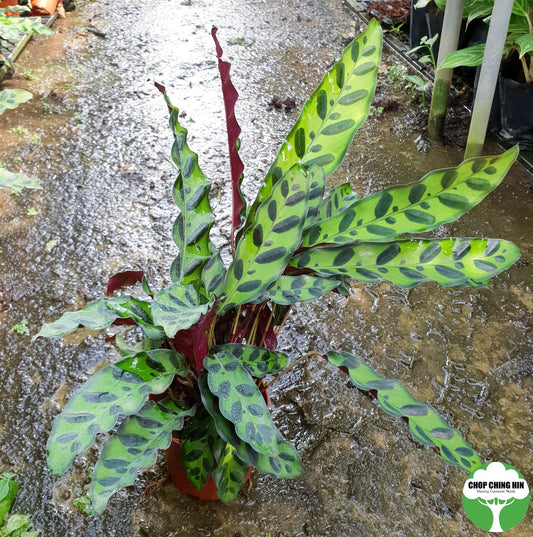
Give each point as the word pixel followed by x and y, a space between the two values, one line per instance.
pixel 516 109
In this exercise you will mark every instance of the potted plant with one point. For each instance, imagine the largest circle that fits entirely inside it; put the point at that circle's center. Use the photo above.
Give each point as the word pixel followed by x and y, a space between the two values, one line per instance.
pixel 208 340
pixel 512 114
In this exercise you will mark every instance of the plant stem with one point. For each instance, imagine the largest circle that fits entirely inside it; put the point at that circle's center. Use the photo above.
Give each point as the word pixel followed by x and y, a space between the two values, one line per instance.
pixel 294 364
pixel 269 322
pixel 235 324
pixel 443 77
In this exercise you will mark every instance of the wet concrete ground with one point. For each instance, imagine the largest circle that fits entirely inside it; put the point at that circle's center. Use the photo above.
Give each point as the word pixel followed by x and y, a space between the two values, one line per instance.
pixel 97 140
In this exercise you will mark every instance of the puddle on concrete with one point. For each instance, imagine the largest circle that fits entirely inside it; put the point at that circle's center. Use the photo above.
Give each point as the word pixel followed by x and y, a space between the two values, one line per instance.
pixel 97 140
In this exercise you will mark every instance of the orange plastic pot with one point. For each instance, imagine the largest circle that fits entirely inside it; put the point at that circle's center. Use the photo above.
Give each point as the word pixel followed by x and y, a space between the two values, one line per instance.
pixel 8 3
pixel 43 8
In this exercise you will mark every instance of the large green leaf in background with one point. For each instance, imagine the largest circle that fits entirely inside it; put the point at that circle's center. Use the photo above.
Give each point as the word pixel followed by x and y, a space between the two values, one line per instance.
pixel 191 195
pixel 450 262
pixel 263 251
pixel 241 402
pixel 286 464
pixel 333 113
pixel 441 196
pixel 133 446
pixel 16 181
pixel 95 407
pixel 178 307
pixel 424 422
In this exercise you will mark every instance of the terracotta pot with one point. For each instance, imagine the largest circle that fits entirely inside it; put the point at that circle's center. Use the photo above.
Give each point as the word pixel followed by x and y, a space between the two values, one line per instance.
pixel 43 8
pixel 7 3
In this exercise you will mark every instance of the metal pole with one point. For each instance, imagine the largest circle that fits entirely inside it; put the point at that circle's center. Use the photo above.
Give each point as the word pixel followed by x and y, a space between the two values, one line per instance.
pixel 488 77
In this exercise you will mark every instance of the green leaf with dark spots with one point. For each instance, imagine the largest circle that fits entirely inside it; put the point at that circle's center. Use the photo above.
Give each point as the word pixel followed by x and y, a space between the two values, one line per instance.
pixel 291 289
pixel 340 198
pixel 16 181
pixel 213 274
pixel 101 314
pixel 333 113
pixel 197 448
pixel 230 474
pixel 178 307
pixel 440 197
pixel 263 251
pixel 191 195
pixel 153 363
pixel 424 422
pixel 95 407
pixel 258 361
pixel 450 262
pixel 146 432
pixel 286 464
pixel 226 378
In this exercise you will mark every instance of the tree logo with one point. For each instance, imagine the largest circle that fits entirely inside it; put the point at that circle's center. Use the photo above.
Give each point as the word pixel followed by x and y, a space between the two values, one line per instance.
pixel 496 497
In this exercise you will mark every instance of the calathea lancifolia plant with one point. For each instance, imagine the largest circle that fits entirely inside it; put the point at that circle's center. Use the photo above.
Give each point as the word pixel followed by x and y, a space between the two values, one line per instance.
pixel 210 336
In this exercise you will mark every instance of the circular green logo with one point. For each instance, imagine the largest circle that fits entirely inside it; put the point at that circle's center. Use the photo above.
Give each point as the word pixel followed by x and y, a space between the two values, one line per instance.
pixel 496 497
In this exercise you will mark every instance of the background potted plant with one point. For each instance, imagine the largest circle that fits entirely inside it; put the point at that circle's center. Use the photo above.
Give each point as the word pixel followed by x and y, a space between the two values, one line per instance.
pixel 208 339
pixel 512 113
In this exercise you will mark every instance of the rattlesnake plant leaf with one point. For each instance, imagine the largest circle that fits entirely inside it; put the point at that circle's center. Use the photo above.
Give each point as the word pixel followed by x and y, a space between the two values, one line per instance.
pixel 16 181
pixel 241 402
pixel 237 167
pixel 450 262
pixel 439 197
pixel 101 314
pixel 95 407
pixel 230 474
pixel 146 344
pixel 286 464
pixel 191 195
pixel 258 361
pixel 213 275
pixel 333 113
pixel 197 447
pixel 178 307
pixel 150 364
pixel 133 446
pixel 339 199
pixel 291 289
pixel 424 422
pixel 263 251
pixel 317 185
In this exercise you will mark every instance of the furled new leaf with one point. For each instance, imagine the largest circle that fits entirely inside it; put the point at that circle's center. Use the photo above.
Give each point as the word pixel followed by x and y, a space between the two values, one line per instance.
pixel 230 474
pixel 258 361
pixel 291 289
pixel 424 422
pixel 286 464
pixel 197 448
pixel 450 262
pixel 263 251
pixel 241 402
pixel 133 446
pixel 441 196
pixel 191 195
pixel 96 406
pixel 178 307
pixel 333 113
